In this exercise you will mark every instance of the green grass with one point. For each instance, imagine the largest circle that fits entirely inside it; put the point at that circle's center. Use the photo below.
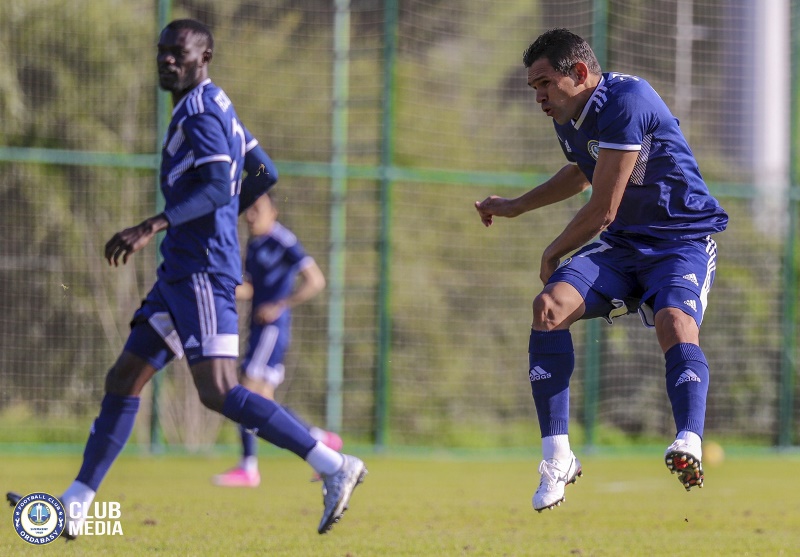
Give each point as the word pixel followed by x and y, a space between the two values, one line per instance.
pixel 430 505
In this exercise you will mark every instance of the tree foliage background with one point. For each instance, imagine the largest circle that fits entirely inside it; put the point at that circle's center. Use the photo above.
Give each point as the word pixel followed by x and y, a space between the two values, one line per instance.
pixel 80 76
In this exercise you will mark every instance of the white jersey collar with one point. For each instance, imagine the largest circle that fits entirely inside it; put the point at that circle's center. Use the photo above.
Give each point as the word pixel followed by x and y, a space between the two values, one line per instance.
pixel 196 87
pixel 577 123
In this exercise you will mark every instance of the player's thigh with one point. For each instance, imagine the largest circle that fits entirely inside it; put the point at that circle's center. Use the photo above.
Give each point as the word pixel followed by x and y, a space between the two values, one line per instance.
pixel 680 275
pixel 129 374
pixel 153 337
pixel 196 317
pixel 203 309
pixel 214 378
pixel 602 275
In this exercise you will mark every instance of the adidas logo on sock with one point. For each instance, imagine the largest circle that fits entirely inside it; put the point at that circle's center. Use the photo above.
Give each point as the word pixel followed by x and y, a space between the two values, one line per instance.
pixel 688 375
pixel 191 343
pixel 691 277
pixel 691 303
pixel 537 373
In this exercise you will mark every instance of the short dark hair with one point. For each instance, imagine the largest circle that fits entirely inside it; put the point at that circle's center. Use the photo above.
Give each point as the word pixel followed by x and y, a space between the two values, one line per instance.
pixel 563 49
pixel 196 27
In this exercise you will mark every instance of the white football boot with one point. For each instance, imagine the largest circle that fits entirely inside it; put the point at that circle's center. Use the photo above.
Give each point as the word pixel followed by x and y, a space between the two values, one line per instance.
pixel 337 489
pixel 556 474
pixel 684 457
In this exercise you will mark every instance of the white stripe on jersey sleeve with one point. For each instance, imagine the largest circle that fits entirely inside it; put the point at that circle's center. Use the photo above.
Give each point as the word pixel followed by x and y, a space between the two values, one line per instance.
pixel 212 158
pixel 620 146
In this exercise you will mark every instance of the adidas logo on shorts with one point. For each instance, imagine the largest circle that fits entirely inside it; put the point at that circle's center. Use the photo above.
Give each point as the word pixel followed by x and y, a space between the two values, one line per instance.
pixel 691 277
pixel 537 374
pixel 691 303
pixel 688 375
pixel 191 342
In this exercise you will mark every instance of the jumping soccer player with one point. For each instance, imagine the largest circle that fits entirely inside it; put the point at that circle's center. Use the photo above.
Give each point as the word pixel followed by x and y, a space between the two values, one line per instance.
pixel 279 275
pixel 655 217
pixel 191 309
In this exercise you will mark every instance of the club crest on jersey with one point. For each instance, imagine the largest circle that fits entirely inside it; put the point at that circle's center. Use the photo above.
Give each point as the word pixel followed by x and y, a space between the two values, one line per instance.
pixel 594 148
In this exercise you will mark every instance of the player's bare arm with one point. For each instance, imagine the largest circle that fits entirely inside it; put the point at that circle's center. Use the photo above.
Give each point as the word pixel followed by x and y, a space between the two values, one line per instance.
pixel 565 183
pixel 311 281
pixel 244 291
pixel 127 242
pixel 611 177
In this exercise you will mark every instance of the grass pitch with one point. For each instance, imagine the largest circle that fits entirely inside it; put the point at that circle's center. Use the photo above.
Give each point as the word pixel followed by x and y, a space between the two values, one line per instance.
pixel 429 506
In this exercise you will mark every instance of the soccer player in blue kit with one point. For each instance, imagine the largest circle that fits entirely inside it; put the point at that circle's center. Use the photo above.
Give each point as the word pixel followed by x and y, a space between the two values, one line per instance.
pixel 191 309
pixel 655 217
pixel 279 275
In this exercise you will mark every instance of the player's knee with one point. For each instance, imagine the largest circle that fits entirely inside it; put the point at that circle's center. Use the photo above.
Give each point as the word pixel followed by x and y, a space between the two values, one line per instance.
pixel 114 382
pixel 214 378
pixel 263 388
pixel 211 397
pixel 545 312
pixel 128 375
pixel 558 306
pixel 674 326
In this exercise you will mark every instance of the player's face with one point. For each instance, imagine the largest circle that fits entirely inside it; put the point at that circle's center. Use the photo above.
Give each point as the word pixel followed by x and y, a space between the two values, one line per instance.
pixel 182 60
pixel 261 216
pixel 555 92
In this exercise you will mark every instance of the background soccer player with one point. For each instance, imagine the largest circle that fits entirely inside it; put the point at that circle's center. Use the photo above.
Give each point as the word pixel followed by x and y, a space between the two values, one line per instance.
pixel 654 215
pixel 279 275
pixel 191 309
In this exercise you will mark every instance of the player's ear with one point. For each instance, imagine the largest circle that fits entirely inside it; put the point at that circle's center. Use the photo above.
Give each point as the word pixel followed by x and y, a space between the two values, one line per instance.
pixel 581 72
pixel 207 55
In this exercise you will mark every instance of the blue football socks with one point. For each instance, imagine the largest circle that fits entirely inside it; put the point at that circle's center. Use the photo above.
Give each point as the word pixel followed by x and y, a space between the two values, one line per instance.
pixel 687 386
pixel 110 432
pixel 552 360
pixel 268 419
pixel 249 442
pixel 297 418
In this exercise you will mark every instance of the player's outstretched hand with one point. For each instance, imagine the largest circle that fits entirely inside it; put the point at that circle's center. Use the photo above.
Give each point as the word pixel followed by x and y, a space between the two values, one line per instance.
pixel 126 242
pixel 493 206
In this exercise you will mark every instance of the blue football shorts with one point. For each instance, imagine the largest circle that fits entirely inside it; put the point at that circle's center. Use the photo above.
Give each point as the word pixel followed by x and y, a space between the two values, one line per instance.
pixel 195 316
pixel 621 274
pixel 266 349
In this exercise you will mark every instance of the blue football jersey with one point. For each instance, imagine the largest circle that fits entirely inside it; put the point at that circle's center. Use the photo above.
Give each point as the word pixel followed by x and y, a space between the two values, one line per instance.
pixel 666 196
pixel 204 129
pixel 272 264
